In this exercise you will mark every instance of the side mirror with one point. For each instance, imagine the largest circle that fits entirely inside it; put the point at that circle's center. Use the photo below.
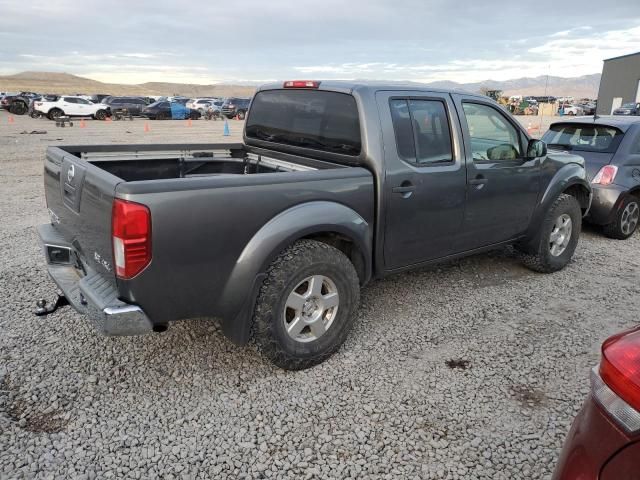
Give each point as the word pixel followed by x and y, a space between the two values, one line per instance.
pixel 536 148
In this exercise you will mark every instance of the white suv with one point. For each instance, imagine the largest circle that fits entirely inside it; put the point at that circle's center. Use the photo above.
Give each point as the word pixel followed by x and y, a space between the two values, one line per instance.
pixel 72 107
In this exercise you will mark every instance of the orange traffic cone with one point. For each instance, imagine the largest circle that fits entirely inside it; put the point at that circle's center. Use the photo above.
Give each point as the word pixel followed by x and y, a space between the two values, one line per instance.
pixel 107 119
pixel 189 123
pixel 147 128
pixel 10 119
pixel 82 124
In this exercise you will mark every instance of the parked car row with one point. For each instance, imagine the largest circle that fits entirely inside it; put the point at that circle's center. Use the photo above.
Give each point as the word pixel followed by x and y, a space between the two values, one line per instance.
pixel 101 106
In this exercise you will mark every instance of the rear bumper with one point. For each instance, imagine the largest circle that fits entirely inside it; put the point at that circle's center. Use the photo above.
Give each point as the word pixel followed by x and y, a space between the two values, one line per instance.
pixel 605 203
pixel 89 292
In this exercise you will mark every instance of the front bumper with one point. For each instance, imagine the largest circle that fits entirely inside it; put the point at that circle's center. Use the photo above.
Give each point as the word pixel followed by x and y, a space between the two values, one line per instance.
pixel 89 292
pixel 605 204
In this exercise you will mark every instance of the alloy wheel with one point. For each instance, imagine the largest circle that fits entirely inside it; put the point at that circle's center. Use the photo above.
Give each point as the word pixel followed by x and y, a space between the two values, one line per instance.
pixel 629 219
pixel 560 235
pixel 311 308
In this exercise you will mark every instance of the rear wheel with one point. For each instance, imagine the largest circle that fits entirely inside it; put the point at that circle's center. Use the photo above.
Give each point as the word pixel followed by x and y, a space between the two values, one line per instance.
pixel 19 108
pixel 626 221
pixel 162 116
pixel 559 235
pixel 55 113
pixel 306 305
pixel 241 115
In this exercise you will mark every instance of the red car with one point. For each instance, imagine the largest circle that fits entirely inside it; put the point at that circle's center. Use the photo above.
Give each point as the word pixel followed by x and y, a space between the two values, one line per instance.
pixel 604 441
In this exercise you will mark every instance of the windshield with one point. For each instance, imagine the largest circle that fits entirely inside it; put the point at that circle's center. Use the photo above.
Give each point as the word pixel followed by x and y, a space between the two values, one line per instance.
pixel 629 105
pixel 319 120
pixel 586 138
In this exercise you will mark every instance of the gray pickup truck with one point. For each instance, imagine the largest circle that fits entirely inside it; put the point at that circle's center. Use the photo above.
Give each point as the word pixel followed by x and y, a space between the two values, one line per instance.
pixel 335 184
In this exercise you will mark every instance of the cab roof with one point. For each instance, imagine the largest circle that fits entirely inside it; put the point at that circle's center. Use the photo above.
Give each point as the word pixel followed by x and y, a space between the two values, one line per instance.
pixel 349 86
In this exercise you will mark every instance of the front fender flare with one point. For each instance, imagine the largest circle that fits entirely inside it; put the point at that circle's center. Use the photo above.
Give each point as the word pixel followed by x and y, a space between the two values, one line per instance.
pixel 281 231
pixel 568 176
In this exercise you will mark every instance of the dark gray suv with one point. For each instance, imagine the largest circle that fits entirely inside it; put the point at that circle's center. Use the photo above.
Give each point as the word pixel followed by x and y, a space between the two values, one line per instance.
pixel 134 105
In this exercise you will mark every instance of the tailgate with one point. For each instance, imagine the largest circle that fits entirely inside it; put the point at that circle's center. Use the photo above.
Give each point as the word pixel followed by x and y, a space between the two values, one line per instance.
pixel 79 198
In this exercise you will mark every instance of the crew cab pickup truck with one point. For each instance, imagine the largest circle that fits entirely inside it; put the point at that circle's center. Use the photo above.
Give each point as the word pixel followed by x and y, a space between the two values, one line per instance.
pixel 335 184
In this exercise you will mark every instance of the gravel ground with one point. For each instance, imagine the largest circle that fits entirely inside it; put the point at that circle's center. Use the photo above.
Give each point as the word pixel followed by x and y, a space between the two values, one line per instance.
pixel 472 370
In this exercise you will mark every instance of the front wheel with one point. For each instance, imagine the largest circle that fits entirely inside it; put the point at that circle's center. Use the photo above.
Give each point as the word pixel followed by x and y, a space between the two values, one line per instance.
pixel 626 221
pixel 559 235
pixel 101 115
pixel 55 113
pixel 306 305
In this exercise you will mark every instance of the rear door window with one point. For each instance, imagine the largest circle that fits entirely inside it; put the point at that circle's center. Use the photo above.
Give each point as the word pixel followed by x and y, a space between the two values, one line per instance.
pixel 314 119
pixel 423 136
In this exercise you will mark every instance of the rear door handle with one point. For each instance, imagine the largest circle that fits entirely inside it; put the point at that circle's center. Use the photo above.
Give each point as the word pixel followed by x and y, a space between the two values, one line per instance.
pixel 403 189
pixel 479 181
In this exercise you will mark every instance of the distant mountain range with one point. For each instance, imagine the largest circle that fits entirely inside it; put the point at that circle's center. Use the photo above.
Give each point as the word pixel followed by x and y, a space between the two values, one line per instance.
pixel 585 86
pixel 51 82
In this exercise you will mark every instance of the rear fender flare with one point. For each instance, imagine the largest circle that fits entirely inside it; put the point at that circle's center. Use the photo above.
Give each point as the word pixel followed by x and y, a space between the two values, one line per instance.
pixel 281 231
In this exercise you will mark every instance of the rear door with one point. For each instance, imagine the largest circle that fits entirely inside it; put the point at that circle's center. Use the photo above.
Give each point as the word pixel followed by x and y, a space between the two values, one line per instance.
pixel 425 183
pixel 70 106
pixel 503 185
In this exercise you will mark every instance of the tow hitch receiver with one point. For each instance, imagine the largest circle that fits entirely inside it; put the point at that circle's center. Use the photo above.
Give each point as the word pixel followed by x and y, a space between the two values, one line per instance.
pixel 43 309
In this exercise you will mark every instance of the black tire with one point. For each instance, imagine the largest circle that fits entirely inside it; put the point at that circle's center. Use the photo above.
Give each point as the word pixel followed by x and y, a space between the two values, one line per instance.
pixel 541 259
pixel 18 108
pixel 626 221
pixel 241 115
pixel 162 116
pixel 100 115
pixel 55 113
pixel 300 261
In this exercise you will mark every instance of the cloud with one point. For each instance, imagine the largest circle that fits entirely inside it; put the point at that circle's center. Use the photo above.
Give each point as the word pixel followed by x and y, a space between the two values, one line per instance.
pixel 422 40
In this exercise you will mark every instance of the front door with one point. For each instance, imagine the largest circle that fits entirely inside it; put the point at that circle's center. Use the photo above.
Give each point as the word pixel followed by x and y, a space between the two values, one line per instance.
pixel 424 188
pixel 503 185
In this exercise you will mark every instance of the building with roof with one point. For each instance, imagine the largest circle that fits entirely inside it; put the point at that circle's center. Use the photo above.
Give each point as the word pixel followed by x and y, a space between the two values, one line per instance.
pixel 620 83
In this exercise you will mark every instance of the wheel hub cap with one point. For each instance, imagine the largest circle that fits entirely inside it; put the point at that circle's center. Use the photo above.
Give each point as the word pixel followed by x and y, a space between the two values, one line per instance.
pixel 560 235
pixel 311 308
pixel 629 219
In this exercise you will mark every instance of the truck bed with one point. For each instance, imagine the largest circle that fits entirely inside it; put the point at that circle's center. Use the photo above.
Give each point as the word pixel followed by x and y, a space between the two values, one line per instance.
pixel 155 162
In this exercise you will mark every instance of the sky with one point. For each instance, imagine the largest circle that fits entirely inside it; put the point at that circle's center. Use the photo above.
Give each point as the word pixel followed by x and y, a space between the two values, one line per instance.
pixel 230 41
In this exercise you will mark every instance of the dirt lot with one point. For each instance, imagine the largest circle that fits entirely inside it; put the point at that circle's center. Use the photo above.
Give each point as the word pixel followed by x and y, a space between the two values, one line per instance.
pixel 471 370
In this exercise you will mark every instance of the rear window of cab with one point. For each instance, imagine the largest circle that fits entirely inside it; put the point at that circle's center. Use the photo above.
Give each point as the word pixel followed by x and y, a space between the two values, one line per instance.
pixel 313 119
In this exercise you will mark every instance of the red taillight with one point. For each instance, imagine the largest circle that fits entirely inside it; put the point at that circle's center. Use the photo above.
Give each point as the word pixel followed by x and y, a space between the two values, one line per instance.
pixel 131 236
pixel 606 175
pixel 301 84
pixel 620 366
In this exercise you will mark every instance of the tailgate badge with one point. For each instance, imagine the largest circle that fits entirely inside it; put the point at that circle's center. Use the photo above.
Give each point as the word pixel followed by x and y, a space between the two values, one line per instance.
pixel 101 261
pixel 54 218
pixel 71 173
